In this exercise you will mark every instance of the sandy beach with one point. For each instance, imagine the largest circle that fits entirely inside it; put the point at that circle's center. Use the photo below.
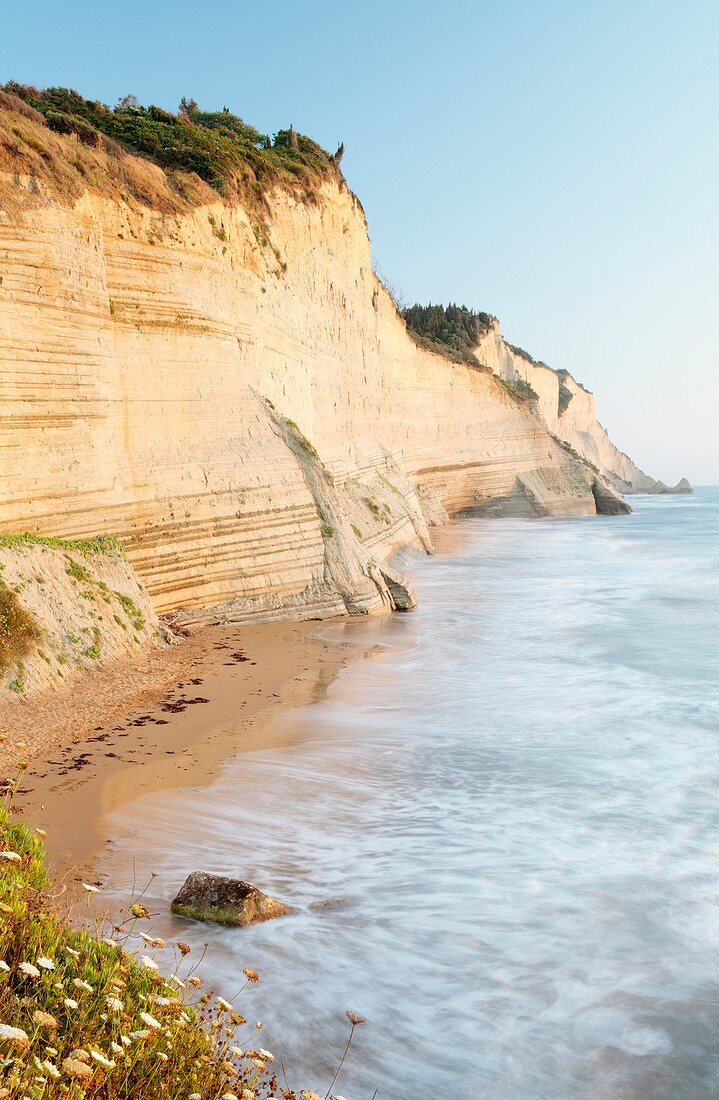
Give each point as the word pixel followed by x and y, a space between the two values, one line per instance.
pixel 167 720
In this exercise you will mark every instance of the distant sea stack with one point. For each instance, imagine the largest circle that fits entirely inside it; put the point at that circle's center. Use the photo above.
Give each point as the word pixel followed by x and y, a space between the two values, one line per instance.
pixel 198 361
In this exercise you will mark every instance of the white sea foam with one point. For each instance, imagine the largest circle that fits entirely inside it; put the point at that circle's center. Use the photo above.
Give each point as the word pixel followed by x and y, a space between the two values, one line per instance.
pixel 520 798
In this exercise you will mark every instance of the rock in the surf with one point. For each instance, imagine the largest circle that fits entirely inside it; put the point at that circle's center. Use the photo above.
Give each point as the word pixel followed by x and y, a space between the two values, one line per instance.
pixel 225 900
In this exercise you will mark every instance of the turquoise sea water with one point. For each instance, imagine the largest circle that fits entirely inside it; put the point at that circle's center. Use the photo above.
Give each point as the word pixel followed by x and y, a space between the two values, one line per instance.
pixel 520 799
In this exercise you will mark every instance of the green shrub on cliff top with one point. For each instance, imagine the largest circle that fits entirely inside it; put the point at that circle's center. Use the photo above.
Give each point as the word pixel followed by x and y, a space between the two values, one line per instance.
pixel 453 331
pixel 222 149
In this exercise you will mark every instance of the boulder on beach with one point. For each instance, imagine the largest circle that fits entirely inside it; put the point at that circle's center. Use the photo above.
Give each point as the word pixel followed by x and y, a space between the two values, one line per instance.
pixel 225 900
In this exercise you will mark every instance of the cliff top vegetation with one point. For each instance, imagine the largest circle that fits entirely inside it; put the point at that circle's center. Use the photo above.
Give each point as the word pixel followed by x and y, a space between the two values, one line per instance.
pixel 452 331
pixel 193 147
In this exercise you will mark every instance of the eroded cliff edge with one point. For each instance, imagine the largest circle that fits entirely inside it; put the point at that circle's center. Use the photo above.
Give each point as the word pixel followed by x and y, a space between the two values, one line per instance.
pixel 238 403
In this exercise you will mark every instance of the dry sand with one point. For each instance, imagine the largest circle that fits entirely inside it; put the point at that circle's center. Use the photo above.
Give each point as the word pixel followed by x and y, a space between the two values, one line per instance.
pixel 165 720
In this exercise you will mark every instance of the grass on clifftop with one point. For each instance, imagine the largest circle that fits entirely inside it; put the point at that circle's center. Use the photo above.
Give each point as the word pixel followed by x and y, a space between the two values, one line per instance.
pixel 217 146
pixel 83 1016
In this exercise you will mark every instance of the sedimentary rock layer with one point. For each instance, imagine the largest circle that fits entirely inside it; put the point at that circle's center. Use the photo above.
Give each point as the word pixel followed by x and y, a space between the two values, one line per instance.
pixel 241 405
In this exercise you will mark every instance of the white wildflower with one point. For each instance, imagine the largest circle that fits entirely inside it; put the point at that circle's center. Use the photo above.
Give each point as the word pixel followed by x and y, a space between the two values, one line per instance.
pixel 162 1056
pixel 29 969
pixel 90 888
pixel 142 1034
pixel 80 984
pixel 71 951
pixel 266 1055
pixel 49 1068
pixel 237 1051
pixel 223 1004
pixel 4 965
pixel 46 964
pixel 149 963
pixel 11 857
pixel 69 1003
pixel 100 1057
pixel 114 1003
pixel 149 1020
pixel 16 1033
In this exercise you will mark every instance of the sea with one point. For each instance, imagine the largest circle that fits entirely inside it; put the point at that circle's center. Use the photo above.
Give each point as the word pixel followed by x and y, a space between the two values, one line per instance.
pixel 499 831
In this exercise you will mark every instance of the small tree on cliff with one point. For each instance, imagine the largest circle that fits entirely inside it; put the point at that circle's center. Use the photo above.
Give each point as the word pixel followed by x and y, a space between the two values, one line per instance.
pixel 187 106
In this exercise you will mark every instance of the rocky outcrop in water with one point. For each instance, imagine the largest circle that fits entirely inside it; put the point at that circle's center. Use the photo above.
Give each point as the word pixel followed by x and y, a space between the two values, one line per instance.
pixel 223 900
pixel 608 501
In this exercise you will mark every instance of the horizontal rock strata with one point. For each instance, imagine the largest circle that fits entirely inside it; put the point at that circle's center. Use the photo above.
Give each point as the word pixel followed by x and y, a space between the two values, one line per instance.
pixel 241 405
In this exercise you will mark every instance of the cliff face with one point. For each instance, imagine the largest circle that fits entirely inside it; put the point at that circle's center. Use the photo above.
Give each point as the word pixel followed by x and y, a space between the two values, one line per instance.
pixel 237 400
pixel 248 416
pixel 569 412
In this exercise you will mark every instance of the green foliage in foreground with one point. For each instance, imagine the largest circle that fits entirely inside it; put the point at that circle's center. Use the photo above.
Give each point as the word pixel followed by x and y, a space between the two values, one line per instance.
pixel 104 544
pixel 222 149
pixel 453 331
pixel 83 1016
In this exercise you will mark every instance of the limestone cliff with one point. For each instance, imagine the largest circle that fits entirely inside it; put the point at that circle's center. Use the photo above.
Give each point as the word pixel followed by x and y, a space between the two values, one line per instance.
pixel 240 404
pixel 569 411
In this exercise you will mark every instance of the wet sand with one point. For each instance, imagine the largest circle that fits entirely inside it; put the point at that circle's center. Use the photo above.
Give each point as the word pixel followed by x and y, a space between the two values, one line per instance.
pixel 167 721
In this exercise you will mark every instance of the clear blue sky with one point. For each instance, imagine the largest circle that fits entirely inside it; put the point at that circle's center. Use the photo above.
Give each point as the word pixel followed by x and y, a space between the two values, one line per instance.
pixel 553 162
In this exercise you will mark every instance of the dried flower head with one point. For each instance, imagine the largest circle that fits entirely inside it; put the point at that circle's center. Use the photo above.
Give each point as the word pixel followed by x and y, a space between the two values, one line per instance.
pixel 251 975
pixel 44 1019
pixel 154 941
pixel 354 1019
pixel 76 1069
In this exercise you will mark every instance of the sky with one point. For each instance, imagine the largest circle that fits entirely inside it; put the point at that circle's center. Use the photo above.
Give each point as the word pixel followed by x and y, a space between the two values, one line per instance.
pixel 555 163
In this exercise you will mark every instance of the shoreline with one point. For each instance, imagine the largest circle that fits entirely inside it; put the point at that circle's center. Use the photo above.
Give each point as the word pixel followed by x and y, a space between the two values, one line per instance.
pixel 169 721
